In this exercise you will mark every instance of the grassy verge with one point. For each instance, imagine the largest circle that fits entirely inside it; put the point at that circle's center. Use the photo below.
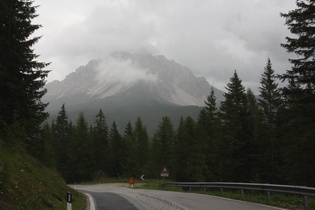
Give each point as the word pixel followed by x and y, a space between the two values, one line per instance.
pixel 277 199
pixel 26 184
pixel 106 180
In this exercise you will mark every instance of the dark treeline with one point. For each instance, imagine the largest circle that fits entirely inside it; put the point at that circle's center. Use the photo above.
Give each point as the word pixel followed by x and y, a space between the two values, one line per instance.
pixel 244 139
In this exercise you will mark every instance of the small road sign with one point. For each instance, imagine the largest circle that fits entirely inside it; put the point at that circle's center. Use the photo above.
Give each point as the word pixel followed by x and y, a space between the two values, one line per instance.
pixel 164 172
pixel 131 182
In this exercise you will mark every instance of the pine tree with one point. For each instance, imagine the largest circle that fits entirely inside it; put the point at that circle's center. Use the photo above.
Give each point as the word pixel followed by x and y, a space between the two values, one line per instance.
pixel 61 127
pixel 270 102
pixel 254 115
pixel 61 137
pixel 131 155
pixel 301 23
pixel 22 77
pixel 299 115
pixel 270 97
pixel 256 145
pixel 162 145
pixel 43 150
pixel 184 142
pixel 212 121
pixel 142 146
pixel 79 163
pixel 205 148
pixel 117 152
pixel 211 106
pixel 179 157
pixel 100 144
pixel 235 157
pixel 233 109
pixel 128 130
pixel 201 150
pixel 49 153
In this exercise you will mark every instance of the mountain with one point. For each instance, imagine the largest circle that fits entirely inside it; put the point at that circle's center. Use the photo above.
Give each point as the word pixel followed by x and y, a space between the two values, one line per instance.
pixel 126 86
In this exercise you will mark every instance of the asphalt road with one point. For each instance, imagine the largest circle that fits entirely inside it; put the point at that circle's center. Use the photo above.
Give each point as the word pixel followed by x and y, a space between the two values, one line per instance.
pixel 119 196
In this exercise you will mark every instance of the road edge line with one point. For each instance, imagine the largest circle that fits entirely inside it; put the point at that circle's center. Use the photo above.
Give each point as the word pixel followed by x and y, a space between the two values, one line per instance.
pixel 91 202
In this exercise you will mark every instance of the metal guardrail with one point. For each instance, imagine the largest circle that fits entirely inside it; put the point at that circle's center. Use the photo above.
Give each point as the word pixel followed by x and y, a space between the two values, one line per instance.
pixel 290 189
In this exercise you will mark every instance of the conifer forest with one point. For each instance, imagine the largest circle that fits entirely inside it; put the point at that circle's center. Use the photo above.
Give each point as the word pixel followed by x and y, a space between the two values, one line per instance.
pixel 265 138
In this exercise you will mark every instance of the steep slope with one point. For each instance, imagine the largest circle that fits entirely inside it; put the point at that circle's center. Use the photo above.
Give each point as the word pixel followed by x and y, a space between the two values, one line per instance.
pixel 26 184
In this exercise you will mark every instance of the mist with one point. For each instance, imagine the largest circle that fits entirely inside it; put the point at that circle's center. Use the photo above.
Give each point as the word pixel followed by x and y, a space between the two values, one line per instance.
pixel 115 70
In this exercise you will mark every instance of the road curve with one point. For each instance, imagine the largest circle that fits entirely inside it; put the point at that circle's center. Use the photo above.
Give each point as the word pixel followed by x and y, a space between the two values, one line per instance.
pixel 119 196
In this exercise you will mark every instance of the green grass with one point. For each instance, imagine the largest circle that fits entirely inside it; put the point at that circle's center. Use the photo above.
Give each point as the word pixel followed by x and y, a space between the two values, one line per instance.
pixel 26 184
pixel 105 180
pixel 277 199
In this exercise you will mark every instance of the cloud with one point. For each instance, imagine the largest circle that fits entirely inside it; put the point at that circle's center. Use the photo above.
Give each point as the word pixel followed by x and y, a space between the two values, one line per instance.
pixel 211 37
pixel 111 70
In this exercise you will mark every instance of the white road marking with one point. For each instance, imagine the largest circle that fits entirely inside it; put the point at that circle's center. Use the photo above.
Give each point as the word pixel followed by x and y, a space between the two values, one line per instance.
pixel 91 200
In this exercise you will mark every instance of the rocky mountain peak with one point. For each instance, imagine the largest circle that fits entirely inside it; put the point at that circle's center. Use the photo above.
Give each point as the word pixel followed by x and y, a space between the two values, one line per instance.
pixel 123 73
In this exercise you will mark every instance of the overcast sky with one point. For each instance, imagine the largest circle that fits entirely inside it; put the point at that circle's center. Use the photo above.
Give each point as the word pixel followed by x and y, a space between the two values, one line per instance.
pixel 211 37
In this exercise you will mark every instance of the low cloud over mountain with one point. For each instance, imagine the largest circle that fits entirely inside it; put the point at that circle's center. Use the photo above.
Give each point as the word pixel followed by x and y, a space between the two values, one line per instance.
pixel 122 73
pixel 127 81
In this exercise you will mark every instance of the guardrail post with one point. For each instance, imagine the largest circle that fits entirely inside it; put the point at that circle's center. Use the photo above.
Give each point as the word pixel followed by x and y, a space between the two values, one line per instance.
pixel 305 202
pixel 221 191
pixel 189 189
pixel 242 193
pixel 268 195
